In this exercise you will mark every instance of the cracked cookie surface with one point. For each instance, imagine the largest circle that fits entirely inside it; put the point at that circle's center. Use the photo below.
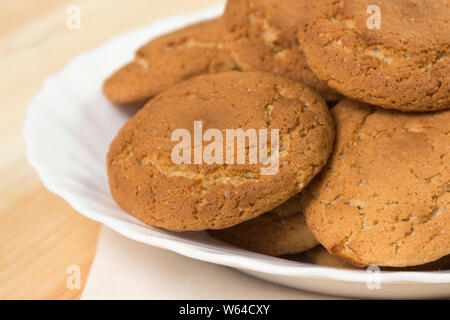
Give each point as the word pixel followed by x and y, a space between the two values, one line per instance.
pixel 262 35
pixel 384 196
pixel 280 231
pixel 146 183
pixel 404 65
pixel 172 58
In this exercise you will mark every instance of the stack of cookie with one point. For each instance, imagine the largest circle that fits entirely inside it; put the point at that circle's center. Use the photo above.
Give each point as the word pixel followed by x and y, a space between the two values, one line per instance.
pixel 367 177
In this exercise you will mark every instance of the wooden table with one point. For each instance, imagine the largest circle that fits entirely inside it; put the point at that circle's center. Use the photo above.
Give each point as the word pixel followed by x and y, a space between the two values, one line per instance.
pixel 40 234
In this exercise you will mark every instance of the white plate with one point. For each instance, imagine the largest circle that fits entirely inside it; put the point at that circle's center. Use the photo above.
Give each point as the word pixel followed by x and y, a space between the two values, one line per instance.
pixel 67 131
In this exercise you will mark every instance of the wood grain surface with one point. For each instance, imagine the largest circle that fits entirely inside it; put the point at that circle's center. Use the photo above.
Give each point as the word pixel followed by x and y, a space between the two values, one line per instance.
pixel 40 234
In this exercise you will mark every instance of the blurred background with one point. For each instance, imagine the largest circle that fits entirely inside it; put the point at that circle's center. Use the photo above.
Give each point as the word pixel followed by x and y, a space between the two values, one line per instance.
pixel 41 236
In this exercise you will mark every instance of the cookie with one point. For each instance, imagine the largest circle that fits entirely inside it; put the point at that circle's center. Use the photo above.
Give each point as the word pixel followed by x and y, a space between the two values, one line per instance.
pixel 280 231
pixel 147 182
pixel 170 59
pixel 320 256
pixel 403 65
pixel 263 36
pixel 384 197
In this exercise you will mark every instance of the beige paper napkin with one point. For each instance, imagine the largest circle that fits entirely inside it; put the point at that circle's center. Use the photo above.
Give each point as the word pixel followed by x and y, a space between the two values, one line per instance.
pixel 126 269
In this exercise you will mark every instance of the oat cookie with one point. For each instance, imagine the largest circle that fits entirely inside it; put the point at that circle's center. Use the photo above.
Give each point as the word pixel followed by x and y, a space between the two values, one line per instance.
pixel 320 256
pixel 280 231
pixel 263 36
pixel 168 60
pixel 403 65
pixel 384 196
pixel 146 182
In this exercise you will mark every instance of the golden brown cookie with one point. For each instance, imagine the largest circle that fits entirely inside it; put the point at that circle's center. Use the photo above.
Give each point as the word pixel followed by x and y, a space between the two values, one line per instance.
pixel 263 36
pixel 280 231
pixel 404 65
pixel 146 182
pixel 320 256
pixel 168 60
pixel 384 196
